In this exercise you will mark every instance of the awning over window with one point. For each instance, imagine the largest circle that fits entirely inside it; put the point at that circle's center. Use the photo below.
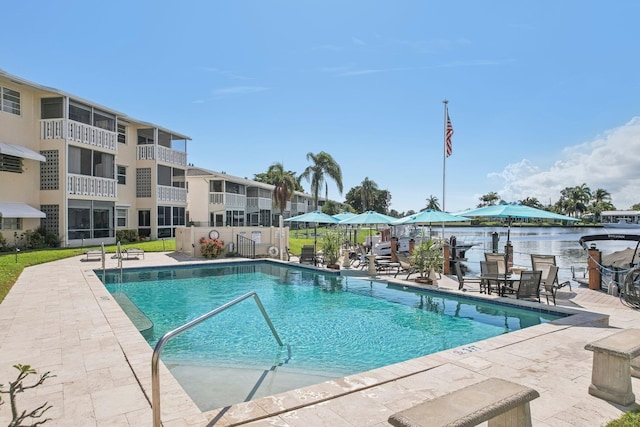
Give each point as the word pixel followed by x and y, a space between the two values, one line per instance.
pixel 19 151
pixel 19 210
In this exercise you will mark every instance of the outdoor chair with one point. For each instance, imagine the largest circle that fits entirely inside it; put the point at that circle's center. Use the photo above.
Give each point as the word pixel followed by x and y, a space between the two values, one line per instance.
pixel 491 269
pixel 496 257
pixel 529 285
pixel 405 264
pixel 548 284
pixel 542 263
pixel 307 255
pixel 464 280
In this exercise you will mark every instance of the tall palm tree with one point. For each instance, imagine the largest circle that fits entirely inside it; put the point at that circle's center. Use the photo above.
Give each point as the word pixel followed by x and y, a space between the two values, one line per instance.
pixel 433 203
pixel 580 196
pixel 489 199
pixel 285 185
pixel 323 164
pixel 368 190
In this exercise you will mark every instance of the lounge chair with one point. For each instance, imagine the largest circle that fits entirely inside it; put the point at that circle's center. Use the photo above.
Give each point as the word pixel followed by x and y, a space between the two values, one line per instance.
pixel 134 253
pixel 405 264
pixel 465 280
pixel 307 255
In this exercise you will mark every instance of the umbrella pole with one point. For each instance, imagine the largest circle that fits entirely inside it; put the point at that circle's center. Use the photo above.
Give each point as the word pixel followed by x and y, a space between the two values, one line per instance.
pixel 315 243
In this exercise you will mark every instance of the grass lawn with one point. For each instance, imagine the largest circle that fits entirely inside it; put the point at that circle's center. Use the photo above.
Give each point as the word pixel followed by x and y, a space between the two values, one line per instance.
pixel 11 265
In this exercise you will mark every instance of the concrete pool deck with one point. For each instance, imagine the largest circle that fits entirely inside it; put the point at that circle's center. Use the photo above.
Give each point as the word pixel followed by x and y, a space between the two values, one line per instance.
pixel 59 317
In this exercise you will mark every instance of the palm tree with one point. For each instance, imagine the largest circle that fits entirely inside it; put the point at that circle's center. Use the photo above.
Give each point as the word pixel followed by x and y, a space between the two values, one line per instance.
pixel 285 185
pixel 532 202
pixel 600 201
pixel 323 164
pixel 580 196
pixel 432 203
pixel 489 199
pixel 368 190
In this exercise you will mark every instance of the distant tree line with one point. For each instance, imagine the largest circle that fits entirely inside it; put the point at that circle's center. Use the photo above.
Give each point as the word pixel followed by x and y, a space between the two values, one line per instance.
pixel 579 201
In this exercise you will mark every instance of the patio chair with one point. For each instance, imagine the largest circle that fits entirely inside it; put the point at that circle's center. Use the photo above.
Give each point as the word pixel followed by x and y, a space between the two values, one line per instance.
pixel 496 257
pixel 542 263
pixel 490 269
pixel 529 285
pixel 405 264
pixel 548 284
pixel 307 255
pixel 462 280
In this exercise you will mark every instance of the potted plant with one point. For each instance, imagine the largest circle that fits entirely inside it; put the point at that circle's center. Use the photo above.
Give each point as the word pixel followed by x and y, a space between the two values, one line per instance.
pixel 427 258
pixel 331 245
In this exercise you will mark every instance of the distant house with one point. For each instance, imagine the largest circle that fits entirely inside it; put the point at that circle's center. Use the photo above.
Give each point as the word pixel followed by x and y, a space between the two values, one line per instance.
pixel 218 199
pixel 620 217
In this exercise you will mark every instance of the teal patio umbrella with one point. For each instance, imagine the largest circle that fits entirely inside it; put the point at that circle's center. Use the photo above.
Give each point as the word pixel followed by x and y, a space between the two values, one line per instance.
pixel 368 218
pixel 514 210
pixel 343 215
pixel 511 211
pixel 316 217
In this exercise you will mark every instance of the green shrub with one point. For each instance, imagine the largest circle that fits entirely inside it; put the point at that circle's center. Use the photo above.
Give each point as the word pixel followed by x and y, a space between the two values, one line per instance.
pixel 127 236
pixel 629 419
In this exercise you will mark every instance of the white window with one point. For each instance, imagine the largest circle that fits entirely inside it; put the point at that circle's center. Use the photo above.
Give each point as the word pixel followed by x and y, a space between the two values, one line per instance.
pixel 122 133
pixel 10 101
pixel 121 217
pixel 10 223
pixel 122 175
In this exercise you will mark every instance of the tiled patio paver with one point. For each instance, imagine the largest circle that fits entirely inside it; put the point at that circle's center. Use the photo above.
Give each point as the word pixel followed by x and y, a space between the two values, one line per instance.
pixel 59 317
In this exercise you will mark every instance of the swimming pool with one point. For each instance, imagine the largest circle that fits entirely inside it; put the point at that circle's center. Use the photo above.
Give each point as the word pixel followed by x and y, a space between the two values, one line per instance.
pixel 332 325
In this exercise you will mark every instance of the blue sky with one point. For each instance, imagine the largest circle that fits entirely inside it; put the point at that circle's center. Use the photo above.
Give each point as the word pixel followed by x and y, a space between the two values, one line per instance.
pixel 542 94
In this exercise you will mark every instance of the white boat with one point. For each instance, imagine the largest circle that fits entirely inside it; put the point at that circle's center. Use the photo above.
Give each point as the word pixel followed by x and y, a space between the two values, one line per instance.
pixel 622 223
pixel 458 248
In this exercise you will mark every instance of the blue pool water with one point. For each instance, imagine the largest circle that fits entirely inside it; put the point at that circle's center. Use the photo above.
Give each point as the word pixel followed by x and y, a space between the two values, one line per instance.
pixel 331 325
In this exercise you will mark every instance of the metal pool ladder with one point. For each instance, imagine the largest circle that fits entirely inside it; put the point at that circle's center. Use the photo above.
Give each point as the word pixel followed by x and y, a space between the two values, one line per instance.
pixel 155 359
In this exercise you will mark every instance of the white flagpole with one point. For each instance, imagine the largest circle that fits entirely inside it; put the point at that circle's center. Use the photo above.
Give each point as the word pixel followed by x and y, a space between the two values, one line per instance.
pixel 444 168
pixel 444 155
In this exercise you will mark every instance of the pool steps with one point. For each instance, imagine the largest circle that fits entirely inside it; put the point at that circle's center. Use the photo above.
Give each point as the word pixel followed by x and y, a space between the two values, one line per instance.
pixel 139 319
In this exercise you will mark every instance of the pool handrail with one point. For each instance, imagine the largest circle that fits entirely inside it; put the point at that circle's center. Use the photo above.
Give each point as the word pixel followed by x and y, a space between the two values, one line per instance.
pixel 155 358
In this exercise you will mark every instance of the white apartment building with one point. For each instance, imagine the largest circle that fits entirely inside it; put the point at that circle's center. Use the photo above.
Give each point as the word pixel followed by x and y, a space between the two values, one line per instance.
pixel 82 170
pixel 217 199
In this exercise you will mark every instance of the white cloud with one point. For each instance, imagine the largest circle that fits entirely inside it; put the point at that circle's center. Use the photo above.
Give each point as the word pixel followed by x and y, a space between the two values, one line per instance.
pixel 239 90
pixel 611 162
pixel 358 41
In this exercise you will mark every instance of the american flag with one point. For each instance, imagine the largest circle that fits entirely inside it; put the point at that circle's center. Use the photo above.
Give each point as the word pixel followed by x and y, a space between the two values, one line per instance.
pixel 448 135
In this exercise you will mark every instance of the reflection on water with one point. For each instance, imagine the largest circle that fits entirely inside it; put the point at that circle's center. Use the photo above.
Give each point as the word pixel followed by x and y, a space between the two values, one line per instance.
pixel 559 241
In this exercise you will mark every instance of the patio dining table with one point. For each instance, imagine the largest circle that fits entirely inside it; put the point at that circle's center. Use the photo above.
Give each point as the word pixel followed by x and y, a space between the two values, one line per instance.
pixel 510 282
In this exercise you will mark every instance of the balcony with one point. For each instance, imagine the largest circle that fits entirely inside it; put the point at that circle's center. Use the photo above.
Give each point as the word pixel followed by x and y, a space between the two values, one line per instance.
pixel 228 200
pixel 255 204
pixel 298 208
pixel 78 132
pixel 162 154
pixel 166 193
pixel 83 185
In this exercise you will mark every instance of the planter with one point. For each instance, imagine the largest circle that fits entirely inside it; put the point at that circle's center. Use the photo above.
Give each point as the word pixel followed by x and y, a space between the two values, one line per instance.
pixel 423 280
pixel 333 266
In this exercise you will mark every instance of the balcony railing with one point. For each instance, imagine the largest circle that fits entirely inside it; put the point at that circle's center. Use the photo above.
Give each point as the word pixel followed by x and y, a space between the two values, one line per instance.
pixel 162 154
pixel 166 193
pixel 259 203
pixel 228 200
pixel 82 185
pixel 78 132
pixel 298 208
